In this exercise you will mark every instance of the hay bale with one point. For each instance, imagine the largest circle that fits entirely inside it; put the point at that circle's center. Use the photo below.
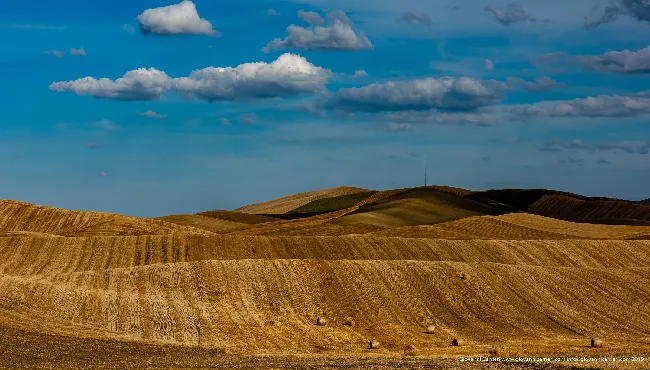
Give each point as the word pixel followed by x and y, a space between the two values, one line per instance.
pixel 596 343
pixel 430 329
pixel 496 350
pixel 457 342
pixel 348 321
pixel 410 350
pixel 374 344
pixel 321 321
pixel 462 275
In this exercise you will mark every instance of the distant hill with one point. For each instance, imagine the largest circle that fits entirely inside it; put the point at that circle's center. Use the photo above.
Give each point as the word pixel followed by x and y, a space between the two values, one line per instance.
pixel 418 206
pixel 291 202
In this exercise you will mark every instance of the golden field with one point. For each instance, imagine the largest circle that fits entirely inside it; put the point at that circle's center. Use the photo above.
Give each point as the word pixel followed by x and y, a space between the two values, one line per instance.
pixel 237 290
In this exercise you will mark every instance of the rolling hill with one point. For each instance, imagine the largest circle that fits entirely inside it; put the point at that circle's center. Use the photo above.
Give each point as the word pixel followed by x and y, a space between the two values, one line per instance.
pixel 241 289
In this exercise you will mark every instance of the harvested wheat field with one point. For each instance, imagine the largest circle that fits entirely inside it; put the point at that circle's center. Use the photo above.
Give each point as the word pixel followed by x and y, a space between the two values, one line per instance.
pixel 235 290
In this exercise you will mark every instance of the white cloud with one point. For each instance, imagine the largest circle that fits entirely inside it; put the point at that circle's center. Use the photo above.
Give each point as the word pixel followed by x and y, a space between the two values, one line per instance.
pixel 91 145
pixel 56 53
pixel 359 73
pixel 103 174
pixel 139 84
pixel 272 12
pixel 414 17
pixel 599 106
pixel 312 18
pixel 224 121
pixel 488 65
pixel 80 51
pixel 175 19
pixel 152 114
pixel 637 9
pixel 451 93
pixel 625 61
pixel 337 35
pixel 288 75
pixel 513 13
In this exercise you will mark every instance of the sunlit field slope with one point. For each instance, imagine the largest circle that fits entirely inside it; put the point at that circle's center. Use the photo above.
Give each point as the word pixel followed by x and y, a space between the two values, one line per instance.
pixel 222 283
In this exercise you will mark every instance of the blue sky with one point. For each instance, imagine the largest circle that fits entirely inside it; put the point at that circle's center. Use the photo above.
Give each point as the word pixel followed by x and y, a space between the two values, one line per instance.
pixel 547 94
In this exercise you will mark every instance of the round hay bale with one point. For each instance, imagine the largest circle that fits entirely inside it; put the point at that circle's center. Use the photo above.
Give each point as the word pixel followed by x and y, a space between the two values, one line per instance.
pixel 374 344
pixel 410 350
pixel 430 329
pixel 496 350
pixel 457 342
pixel 321 321
pixel 348 321
pixel 596 343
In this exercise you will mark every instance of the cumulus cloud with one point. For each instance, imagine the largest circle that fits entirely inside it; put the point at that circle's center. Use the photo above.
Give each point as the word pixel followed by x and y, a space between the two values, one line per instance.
pixel 152 114
pixel 446 93
pixel 637 9
pixel 626 61
pixel 80 51
pixel 513 13
pixel 600 106
pixel 175 19
pixel 103 174
pixel 488 65
pixel 312 18
pixel 272 12
pixel 414 17
pixel 288 75
pixel 139 84
pixel 336 34
pixel 541 84
pixel 224 121
pixel 359 73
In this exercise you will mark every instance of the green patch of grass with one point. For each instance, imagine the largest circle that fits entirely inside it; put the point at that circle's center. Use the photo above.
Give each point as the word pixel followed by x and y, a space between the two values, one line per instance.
pixel 332 204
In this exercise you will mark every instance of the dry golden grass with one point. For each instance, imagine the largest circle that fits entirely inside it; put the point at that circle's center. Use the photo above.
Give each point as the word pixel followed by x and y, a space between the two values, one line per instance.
pixel 215 225
pixel 454 190
pixel 517 226
pixel 288 203
pixel 26 217
pixel 257 290
pixel 592 231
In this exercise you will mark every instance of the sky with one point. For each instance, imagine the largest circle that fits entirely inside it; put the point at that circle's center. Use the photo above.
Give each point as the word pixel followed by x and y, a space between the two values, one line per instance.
pixel 157 107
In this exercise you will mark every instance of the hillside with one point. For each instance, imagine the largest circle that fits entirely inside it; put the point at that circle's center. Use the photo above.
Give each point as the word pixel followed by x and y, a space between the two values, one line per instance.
pixel 290 202
pixel 418 206
pixel 242 290
pixel 26 217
